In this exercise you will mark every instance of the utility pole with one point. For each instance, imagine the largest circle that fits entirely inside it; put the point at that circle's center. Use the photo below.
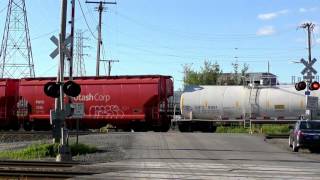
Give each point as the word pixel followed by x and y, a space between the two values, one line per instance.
pixel 71 40
pixel 109 65
pixel 100 9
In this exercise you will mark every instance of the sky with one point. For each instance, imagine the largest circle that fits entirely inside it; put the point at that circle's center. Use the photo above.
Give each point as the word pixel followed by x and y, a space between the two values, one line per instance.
pixel 159 37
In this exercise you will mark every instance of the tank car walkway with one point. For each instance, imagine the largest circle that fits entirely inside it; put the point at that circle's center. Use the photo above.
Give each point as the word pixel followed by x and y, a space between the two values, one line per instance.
pixel 202 156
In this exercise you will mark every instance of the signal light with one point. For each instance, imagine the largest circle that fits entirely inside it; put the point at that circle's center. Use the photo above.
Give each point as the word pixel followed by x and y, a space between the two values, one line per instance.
pixel 71 88
pixel 52 89
pixel 300 86
pixel 314 86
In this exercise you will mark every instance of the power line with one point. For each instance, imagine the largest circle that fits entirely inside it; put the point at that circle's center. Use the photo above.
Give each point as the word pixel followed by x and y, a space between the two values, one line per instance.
pixel 196 36
pixel 2 10
pixel 44 35
pixel 85 19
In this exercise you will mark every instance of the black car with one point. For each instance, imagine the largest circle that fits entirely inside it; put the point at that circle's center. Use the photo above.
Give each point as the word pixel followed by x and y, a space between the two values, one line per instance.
pixel 306 134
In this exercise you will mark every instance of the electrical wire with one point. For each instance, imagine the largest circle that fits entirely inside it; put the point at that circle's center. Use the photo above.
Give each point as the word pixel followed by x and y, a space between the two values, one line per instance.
pixel 1 10
pixel 85 19
pixel 44 35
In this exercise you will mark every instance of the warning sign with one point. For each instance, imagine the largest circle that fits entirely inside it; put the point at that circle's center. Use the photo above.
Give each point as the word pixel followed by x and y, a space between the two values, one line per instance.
pixel 312 103
pixel 78 110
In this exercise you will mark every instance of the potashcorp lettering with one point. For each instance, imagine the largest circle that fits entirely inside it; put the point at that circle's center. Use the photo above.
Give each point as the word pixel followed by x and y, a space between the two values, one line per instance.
pixel 93 97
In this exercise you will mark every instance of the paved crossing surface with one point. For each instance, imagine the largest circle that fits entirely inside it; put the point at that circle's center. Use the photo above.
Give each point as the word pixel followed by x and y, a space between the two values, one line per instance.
pixel 204 156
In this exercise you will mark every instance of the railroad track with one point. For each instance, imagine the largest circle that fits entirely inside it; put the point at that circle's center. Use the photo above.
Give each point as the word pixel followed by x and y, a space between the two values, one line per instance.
pixel 40 169
pixel 71 133
pixel 276 136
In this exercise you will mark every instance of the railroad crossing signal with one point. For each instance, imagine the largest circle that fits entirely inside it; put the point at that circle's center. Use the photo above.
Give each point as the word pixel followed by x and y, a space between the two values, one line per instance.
pixel 300 86
pixel 56 42
pixel 70 88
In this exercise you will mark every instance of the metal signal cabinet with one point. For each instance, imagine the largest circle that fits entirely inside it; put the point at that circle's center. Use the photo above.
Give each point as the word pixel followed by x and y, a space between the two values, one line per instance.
pixel 127 102
pixel 8 103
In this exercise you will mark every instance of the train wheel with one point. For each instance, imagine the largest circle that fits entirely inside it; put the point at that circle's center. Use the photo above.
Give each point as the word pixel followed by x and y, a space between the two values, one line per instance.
pixel 184 127
pixel 27 126
pixel 165 127
pixel 140 127
pixel 209 127
pixel 15 126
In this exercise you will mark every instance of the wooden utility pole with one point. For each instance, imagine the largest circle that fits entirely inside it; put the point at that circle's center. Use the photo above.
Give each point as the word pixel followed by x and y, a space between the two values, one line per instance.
pixel 100 10
pixel 109 65
pixel 71 40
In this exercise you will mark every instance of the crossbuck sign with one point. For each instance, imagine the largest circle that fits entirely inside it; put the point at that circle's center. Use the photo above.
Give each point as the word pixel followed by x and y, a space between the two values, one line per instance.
pixel 308 68
pixel 56 42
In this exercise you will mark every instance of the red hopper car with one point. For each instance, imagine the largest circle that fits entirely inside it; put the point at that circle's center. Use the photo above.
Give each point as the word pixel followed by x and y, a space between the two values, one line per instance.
pixel 127 102
pixel 8 100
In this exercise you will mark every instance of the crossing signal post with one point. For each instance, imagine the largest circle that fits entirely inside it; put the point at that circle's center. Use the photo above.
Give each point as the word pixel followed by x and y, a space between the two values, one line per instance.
pixel 308 75
pixel 57 116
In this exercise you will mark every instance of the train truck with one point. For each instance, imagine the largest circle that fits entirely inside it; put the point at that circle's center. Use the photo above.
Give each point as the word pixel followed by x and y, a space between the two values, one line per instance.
pixel 202 107
pixel 127 102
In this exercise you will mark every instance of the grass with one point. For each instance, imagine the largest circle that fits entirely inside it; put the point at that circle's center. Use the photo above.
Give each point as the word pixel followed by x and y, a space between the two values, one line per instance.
pixel 39 151
pixel 275 129
pixel 231 129
pixel 78 149
pixel 263 129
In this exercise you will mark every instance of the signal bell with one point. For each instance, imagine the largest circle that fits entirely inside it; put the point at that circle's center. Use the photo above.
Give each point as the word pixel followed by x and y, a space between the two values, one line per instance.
pixel 314 86
pixel 70 88
pixel 300 86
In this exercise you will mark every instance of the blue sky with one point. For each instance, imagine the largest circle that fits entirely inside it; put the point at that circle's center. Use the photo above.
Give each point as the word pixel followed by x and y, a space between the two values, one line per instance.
pixel 158 37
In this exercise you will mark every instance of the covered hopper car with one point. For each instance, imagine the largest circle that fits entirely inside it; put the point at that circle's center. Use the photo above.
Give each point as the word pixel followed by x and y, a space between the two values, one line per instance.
pixel 127 102
pixel 203 106
pixel 8 101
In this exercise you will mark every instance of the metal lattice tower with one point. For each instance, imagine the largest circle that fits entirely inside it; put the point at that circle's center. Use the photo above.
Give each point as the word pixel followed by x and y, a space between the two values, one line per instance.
pixel 78 63
pixel 15 54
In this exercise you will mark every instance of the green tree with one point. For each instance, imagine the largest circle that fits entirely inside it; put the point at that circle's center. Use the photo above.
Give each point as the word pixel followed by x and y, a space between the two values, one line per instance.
pixel 208 74
pixel 211 74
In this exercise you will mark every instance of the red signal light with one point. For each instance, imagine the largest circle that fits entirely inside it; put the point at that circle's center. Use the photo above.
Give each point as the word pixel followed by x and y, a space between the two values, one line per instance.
pixel 301 85
pixel 314 86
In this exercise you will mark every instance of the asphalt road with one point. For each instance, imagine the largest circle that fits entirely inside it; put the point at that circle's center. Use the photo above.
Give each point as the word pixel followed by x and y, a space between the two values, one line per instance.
pixel 203 156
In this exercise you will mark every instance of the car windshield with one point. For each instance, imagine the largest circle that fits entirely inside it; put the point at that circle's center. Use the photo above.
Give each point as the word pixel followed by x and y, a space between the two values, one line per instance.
pixel 310 125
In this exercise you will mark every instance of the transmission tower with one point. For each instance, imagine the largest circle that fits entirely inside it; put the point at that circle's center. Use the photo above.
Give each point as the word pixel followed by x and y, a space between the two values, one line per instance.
pixel 15 53
pixel 78 63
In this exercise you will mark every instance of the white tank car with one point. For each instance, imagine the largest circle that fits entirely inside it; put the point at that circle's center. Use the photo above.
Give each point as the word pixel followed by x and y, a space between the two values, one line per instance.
pixel 237 102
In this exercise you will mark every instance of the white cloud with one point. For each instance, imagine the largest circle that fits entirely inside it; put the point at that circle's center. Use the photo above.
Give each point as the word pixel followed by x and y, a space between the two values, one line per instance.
pixel 272 15
pixel 305 10
pixel 266 31
pixel 302 10
pixel 318 41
